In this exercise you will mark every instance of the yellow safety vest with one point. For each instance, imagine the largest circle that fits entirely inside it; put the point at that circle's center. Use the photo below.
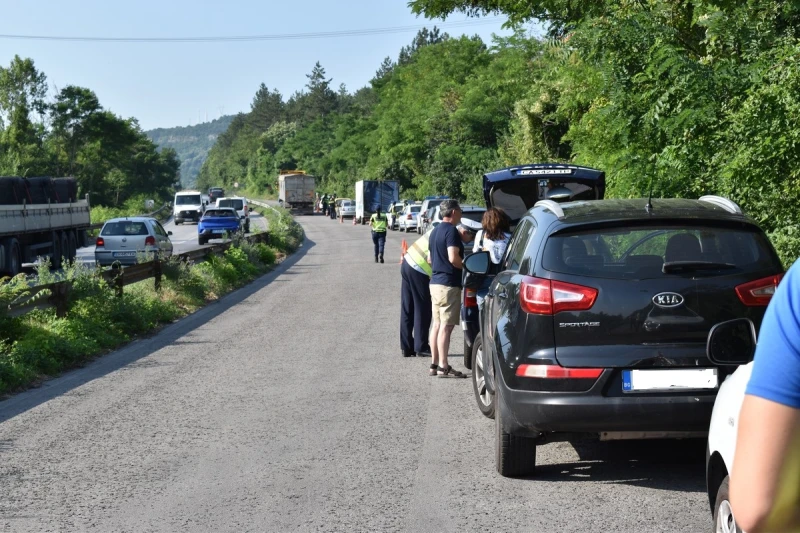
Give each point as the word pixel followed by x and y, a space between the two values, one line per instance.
pixel 418 253
pixel 378 223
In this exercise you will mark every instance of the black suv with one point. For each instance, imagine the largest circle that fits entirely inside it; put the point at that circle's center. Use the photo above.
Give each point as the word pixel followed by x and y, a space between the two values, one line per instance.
pixel 515 190
pixel 598 320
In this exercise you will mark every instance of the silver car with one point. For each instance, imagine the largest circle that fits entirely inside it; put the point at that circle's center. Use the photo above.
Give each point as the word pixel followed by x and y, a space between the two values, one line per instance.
pixel 347 209
pixel 127 240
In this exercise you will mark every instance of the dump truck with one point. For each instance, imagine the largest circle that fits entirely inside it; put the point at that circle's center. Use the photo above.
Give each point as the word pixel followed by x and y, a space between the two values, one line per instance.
pixel 373 193
pixel 40 217
pixel 297 191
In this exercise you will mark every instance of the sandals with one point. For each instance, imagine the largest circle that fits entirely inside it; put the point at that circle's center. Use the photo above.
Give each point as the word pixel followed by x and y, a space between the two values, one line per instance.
pixel 449 372
pixel 433 370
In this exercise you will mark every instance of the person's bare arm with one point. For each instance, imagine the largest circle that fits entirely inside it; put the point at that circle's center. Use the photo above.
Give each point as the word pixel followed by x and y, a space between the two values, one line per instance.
pixel 766 431
pixel 454 256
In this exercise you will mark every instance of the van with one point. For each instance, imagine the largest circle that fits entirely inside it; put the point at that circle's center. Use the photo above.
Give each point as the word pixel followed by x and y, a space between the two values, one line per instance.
pixel 189 206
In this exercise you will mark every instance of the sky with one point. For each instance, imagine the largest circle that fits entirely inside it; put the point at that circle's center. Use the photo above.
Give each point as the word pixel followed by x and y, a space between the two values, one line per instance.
pixel 180 84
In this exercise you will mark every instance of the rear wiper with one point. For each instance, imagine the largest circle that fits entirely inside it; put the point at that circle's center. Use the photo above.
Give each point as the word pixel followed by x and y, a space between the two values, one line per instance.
pixel 687 266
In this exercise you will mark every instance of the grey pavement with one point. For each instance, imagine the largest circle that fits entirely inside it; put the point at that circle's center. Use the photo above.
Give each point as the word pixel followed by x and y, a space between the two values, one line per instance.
pixel 287 406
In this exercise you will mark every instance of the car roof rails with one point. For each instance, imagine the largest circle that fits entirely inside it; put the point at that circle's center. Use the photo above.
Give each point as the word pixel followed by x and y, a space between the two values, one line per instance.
pixel 551 206
pixel 726 204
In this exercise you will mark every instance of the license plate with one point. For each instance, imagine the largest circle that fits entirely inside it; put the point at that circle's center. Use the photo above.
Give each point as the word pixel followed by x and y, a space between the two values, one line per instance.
pixel 669 380
pixel 124 254
pixel 217 231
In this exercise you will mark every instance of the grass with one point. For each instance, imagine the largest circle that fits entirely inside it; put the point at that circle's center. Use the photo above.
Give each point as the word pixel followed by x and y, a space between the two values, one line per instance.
pixel 39 344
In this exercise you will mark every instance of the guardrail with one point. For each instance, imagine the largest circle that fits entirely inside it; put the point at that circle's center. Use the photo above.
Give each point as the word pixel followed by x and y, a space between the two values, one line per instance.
pixel 57 294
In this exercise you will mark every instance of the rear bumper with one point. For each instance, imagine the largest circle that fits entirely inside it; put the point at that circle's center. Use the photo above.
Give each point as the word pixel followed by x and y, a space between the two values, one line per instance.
pixel 187 216
pixel 106 258
pixel 541 413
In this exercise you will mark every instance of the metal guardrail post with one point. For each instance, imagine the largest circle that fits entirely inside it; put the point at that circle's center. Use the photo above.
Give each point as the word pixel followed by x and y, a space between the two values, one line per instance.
pixel 58 297
pixel 157 273
pixel 119 282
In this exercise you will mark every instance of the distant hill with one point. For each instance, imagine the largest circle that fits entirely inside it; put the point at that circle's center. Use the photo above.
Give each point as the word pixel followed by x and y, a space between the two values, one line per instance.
pixel 192 144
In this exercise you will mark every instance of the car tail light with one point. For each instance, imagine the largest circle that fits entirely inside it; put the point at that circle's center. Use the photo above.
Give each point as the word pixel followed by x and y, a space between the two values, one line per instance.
pixel 470 298
pixel 758 292
pixel 150 241
pixel 100 242
pixel 545 297
pixel 557 372
pixel 408 217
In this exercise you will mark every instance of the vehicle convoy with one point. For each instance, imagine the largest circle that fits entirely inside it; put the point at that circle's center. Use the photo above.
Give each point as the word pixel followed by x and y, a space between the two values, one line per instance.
pixel 729 343
pixel 218 223
pixel 40 217
pixel 296 191
pixel 515 190
pixel 597 322
pixel 189 206
pixel 372 193
pixel 127 240
pixel 241 206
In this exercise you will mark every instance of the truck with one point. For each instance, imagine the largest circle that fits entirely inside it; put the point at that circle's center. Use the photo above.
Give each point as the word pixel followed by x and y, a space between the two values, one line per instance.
pixel 297 191
pixel 373 193
pixel 40 217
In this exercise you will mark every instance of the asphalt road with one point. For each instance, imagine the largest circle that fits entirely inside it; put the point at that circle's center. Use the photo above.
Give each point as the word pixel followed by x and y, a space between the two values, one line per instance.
pixel 286 406
pixel 184 237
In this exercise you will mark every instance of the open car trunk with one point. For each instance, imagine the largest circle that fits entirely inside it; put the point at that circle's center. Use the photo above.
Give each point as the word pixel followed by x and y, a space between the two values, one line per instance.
pixel 516 189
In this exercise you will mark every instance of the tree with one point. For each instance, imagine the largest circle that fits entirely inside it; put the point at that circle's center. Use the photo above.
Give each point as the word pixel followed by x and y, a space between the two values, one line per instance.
pixel 267 109
pixel 22 86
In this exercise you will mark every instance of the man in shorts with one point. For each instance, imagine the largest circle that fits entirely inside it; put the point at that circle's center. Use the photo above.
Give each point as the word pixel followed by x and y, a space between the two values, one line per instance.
pixel 446 253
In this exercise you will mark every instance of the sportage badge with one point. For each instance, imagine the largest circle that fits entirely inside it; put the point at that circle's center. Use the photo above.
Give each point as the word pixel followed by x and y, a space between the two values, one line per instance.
pixel 668 299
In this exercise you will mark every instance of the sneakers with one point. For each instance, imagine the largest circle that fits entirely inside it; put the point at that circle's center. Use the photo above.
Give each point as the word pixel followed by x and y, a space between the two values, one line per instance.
pixel 376 258
pixel 381 259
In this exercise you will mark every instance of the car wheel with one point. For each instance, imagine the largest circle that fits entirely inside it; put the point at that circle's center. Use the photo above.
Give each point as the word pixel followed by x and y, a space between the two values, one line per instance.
pixel 201 241
pixel 515 456
pixel 484 398
pixel 55 262
pixel 724 521
pixel 73 246
pixel 247 227
pixel 13 259
pixel 177 223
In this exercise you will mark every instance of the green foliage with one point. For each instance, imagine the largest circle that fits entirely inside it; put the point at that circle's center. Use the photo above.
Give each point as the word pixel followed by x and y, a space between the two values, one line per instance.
pixel 112 159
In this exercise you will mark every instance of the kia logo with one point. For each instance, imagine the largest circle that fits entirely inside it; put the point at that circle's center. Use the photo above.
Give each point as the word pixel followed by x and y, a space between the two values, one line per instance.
pixel 668 299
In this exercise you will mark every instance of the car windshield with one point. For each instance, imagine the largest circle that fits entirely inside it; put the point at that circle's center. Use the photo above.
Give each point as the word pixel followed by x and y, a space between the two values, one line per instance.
pixel 236 204
pixel 220 213
pixel 187 199
pixel 124 227
pixel 654 252
pixel 415 208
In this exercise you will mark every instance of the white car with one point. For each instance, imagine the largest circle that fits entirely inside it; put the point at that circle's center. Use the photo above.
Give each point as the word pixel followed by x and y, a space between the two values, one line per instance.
pixel 407 219
pixel 728 345
pixel 241 206
pixel 468 212
pixel 347 209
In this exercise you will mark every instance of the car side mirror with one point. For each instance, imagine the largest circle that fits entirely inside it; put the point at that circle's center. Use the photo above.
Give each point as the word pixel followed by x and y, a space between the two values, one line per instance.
pixel 169 233
pixel 732 342
pixel 477 263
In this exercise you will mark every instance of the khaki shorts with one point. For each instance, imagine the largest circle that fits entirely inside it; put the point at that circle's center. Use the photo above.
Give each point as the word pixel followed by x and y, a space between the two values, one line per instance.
pixel 446 304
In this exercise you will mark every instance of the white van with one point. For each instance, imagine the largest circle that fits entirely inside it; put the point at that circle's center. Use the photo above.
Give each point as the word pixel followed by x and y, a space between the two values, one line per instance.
pixel 189 206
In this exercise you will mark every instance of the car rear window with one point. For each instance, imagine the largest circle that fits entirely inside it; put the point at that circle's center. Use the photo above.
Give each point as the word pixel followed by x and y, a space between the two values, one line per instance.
pixel 475 216
pixel 641 252
pixel 236 204
pixel 125 227
pixel 415 208
pixel 219 213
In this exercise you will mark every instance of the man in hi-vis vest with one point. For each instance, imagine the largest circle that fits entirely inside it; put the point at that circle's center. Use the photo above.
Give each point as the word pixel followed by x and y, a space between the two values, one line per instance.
pixel 415 296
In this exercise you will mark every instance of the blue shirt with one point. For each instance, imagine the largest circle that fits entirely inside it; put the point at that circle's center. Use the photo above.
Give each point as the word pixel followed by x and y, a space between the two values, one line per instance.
pixel 776 368
pixel 444 273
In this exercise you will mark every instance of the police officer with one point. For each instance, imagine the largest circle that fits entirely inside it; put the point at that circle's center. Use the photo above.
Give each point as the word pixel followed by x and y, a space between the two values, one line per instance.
pixel 332 208
pixel 415 296
pixel 378 223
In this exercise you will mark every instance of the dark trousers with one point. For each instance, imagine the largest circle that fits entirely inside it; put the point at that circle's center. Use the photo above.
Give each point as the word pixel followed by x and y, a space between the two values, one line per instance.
pixel 379 240
pixel 415 310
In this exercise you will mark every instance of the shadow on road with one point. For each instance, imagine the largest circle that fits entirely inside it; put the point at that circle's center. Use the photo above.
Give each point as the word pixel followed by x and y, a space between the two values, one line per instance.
pixel 675 465
pixel 137 350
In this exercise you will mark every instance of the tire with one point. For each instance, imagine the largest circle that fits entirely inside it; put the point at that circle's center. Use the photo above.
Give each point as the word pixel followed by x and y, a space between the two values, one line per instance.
pixel 247 227
pixel 724 520
pixel 201 241
pixel 483 397
pixel 401 229
pixel 177 223
pixel 73 246
pixel 515 456
pixel 13 258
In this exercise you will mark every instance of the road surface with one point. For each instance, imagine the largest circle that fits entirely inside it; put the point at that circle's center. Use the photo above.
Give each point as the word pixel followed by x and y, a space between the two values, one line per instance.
pixel 286 406
pixel 184 237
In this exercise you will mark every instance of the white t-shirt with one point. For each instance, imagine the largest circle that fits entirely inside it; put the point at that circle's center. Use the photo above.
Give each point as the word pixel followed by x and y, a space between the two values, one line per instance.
pixel 496 249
